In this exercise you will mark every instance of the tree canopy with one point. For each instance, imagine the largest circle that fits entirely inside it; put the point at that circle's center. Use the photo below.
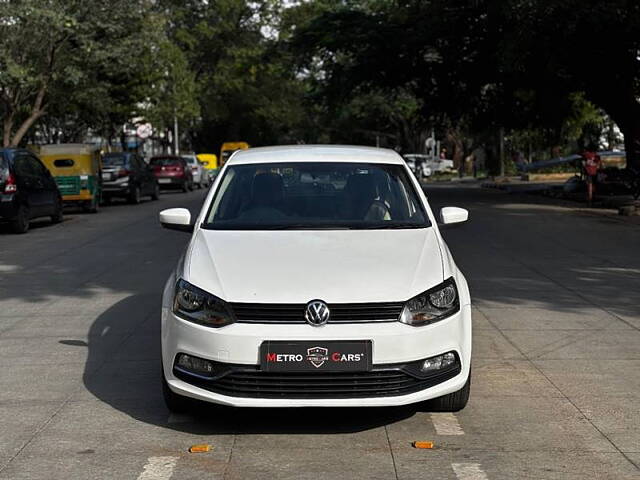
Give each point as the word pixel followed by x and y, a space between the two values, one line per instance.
pixel 549 73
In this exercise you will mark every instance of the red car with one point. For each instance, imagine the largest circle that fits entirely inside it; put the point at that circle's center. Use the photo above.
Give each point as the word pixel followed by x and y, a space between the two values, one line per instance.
pixel 172 172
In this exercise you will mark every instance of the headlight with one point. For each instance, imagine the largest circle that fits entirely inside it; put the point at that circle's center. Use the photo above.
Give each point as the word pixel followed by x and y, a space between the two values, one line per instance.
pixel 433 305
pixel 198 306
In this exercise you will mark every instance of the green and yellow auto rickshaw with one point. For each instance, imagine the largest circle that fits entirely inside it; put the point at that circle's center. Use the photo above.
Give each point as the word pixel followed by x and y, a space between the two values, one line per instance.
pixel 76 169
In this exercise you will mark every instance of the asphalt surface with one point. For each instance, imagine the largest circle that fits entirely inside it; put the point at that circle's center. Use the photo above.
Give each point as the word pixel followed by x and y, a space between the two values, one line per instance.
pixel 556 361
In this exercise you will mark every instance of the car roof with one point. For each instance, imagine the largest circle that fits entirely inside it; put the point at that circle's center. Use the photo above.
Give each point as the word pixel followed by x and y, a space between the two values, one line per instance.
pixel 315 153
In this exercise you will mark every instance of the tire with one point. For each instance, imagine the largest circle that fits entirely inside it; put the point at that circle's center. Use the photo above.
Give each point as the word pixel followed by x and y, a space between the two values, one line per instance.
pixel 190 186
pixel 106 200
pixel 453 402
pixel 58 214
pixel 185 186
pixel 134 196
pixel 175 403
pixel 156 192
pixel 93 206
pixel 20 224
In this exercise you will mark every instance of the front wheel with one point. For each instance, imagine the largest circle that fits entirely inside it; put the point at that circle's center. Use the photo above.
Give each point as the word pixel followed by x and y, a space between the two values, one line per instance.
pixel 134 196
pixel 92 206
pixel 175 403
pixel 156 192
pixel 453 402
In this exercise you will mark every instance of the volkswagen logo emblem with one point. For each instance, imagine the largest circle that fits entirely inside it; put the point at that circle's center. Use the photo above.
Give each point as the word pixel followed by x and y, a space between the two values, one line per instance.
pixel 317 313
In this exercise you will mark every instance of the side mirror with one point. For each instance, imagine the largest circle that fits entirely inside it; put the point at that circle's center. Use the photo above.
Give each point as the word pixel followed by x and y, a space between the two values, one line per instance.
pixel 176 219
pixel 453 215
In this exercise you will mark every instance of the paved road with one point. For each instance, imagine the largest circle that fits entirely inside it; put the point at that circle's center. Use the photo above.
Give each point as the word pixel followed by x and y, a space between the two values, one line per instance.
pixel 556 390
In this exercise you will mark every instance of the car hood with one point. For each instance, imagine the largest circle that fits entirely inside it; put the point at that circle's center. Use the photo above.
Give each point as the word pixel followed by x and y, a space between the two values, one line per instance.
pixel 337 266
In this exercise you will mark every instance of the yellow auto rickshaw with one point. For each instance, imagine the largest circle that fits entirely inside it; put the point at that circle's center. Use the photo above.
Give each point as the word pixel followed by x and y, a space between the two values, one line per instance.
pixel 208 160
pixel 77 171
pixel 210 163
pixel 228 148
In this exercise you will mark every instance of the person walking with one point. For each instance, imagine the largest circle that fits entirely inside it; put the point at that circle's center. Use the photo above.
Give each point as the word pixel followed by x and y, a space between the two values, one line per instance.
pixel 591 164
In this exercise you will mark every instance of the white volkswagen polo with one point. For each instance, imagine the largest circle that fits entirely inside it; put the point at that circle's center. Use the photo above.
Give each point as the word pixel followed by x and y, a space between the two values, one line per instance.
pixel 316 276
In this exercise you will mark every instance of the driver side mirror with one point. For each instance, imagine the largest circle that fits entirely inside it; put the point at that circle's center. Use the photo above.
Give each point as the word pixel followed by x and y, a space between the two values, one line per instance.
pixel 176 219
pixel 453 215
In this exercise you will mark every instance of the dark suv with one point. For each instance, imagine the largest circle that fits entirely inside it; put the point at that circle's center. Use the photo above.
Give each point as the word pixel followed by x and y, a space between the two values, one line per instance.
pixel 27 190
pixel 126 175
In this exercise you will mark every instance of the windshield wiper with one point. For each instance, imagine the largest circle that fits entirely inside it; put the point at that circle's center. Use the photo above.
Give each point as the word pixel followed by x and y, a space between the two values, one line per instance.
pixel 383 226
pixel 303 226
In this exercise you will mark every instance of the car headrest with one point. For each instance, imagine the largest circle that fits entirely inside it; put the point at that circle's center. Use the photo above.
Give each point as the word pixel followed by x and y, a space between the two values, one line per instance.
pixel 267 189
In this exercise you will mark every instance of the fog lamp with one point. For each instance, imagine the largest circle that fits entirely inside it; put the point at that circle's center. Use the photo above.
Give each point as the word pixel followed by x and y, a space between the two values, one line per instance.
pixel 438 362
pixel 194 364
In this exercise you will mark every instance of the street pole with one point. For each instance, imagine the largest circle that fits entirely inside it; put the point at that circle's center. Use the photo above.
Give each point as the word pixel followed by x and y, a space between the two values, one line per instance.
pixel 176 150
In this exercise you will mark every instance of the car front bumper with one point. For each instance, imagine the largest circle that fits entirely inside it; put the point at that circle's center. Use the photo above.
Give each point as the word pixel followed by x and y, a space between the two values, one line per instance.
pixel 119 187
pixel 393 344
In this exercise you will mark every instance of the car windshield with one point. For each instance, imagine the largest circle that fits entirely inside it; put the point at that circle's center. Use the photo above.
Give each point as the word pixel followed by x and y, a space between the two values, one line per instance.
pixel 114 160
pixel 165 161
pixel 189 160
pixel 305 195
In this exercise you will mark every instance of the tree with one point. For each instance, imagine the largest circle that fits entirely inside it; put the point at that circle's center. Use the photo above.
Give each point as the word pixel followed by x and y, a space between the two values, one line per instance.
pixel 474 62
pixel 174 90
pixel 579 45
pixel 247 86
pixel 72 55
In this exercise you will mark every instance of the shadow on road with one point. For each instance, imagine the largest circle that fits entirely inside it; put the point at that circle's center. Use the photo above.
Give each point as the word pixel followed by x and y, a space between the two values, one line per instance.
pixel 123 370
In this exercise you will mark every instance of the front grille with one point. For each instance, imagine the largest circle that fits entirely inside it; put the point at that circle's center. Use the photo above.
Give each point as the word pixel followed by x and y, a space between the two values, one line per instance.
pixel 382 381
pixel 294 313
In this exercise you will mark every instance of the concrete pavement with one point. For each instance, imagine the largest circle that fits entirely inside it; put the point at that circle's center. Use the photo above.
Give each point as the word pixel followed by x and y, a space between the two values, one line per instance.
pixel 556 380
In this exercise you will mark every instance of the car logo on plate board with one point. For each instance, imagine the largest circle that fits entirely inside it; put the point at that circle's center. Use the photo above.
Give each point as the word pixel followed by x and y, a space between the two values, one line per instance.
pixel 317 356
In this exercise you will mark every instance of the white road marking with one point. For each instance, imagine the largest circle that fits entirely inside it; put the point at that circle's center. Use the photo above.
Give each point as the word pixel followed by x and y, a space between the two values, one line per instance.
pixel 158 468
pixel 469 471
pixel 446 424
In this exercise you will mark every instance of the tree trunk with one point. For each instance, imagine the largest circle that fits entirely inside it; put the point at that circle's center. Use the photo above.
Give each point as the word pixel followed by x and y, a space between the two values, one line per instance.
pixel 26 125
pixel 453 137
pixel 7 126
pixel 36 112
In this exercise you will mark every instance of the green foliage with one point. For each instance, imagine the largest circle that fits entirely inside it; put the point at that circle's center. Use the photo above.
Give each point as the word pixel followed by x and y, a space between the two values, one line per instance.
pixel 75 58
pixel 551 73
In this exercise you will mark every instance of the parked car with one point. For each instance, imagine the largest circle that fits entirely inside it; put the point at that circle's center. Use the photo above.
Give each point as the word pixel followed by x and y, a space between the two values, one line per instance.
pixel 172 171
pixel 200 175
pixel 77 171
pixel 316 276
pixel 126 175
pixel 424 162
pixel 27 190
pixel 418 165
